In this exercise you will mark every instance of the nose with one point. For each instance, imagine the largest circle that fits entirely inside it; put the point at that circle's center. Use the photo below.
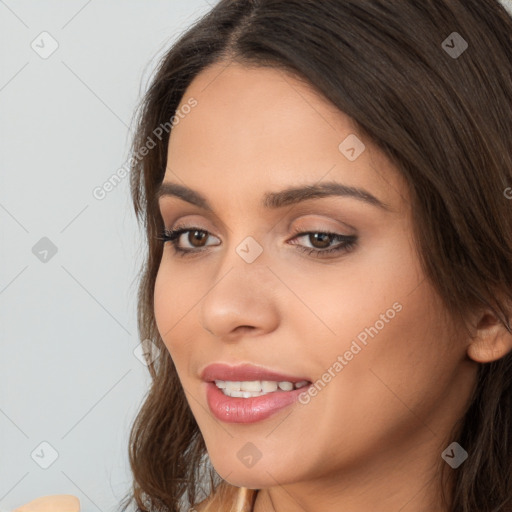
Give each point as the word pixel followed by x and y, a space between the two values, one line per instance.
pixel 241 301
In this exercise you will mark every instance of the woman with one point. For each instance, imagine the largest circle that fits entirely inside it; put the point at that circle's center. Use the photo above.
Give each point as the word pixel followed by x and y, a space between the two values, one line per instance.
pixel 325 188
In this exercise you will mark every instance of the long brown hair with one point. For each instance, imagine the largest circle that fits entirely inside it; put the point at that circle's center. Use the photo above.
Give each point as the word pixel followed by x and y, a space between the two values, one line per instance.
pixel 443 119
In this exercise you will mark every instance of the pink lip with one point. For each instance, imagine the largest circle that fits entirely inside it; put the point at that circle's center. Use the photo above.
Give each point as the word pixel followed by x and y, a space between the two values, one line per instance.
pixel 247 410
pixel 221 371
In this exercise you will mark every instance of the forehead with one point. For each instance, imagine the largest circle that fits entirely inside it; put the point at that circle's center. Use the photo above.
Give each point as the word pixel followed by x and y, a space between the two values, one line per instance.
pixel 261 126
pixel 260 102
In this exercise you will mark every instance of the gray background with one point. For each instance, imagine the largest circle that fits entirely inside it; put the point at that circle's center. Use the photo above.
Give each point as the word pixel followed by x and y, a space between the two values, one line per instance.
pixel 68 320
pixel 68 324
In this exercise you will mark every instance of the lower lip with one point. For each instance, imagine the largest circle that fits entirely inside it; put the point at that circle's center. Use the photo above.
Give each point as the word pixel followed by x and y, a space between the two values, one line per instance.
pixel 248 410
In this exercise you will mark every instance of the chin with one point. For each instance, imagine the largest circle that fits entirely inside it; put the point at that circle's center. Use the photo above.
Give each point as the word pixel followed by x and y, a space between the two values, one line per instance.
pixel 261 475
pixel 250 478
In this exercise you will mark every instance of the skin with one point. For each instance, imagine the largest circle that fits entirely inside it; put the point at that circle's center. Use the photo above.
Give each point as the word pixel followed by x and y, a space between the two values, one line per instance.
pixel 372 437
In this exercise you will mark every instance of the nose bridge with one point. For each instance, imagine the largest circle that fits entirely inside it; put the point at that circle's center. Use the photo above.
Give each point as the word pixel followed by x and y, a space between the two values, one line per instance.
pixel 245 252
pixel 241 293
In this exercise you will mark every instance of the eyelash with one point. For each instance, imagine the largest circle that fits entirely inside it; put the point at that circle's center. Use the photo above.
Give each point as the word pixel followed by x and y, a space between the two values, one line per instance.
pixel 347 241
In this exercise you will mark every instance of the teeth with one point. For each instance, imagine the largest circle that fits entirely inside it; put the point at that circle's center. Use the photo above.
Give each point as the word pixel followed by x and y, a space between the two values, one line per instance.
pixel 286 386
pixel 250 385
pixel 244 394
pixel 248 389
pixel 232 386
pixel 269 386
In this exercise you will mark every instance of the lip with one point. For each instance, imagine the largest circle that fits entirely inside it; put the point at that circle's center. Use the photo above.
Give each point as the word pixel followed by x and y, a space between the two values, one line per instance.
pixel 244 372
pixel 247 410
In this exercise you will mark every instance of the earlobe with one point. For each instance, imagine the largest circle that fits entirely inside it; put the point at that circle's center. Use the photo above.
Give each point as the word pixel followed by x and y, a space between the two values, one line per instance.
pixel 491 342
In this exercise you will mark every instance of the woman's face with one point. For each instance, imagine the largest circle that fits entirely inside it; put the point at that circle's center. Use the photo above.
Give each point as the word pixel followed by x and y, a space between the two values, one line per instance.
pixel 364 315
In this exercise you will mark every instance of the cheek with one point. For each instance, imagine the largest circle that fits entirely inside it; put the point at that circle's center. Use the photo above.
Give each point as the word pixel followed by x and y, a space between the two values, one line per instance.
pixel 163 303
pixel 174 299
pixel 393 314
pixel 392 370
pixel 367 287
pixel 381 316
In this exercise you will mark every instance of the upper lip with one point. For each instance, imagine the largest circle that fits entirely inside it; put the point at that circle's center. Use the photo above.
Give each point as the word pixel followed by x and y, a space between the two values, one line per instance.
pixel 244 372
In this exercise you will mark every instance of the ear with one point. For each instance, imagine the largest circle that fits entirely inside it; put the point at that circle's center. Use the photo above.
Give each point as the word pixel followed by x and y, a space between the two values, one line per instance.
pixel 491 340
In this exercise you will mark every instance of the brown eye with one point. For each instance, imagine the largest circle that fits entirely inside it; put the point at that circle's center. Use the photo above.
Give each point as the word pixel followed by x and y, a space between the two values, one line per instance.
pixel 321 240
pixel 320 243
pixel 194 241
pixel 197 236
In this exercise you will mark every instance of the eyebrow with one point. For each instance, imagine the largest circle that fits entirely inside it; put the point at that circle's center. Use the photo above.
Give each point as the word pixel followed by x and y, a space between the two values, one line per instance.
pixel 275 200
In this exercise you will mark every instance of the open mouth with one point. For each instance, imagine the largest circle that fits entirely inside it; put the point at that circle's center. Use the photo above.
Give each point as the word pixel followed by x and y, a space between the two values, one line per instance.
pixel 253 388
